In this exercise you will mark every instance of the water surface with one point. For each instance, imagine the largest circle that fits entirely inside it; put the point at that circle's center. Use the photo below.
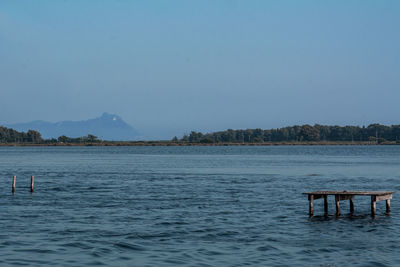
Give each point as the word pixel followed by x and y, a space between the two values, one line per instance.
pixel 195 206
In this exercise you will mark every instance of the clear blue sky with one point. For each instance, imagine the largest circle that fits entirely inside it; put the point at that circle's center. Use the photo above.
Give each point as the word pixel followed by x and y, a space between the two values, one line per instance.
pixel 168 67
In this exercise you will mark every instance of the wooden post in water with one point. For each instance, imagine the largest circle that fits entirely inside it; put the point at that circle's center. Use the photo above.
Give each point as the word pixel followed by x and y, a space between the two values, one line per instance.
pixel 13 184
pixel 351 205
pixel 32 179
pixel 373 206
pixel 311 207
pixel 337 199
pixel 326 205
pixel 387 205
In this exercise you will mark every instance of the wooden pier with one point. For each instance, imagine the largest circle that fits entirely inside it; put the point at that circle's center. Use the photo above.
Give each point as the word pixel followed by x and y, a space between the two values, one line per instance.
pixel 349 195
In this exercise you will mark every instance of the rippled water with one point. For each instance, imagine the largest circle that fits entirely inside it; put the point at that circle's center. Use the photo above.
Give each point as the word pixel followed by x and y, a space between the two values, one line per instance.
pixel 195 206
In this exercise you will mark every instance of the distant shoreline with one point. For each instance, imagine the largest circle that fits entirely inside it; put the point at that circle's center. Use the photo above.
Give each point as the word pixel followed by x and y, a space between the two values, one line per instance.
pixel 304 135
pixel 169 143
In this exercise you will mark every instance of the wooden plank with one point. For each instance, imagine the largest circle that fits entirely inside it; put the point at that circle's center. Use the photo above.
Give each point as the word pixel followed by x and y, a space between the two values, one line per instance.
pixel 315 196
pixel 345 197
pixel 385 197
pixel 361 193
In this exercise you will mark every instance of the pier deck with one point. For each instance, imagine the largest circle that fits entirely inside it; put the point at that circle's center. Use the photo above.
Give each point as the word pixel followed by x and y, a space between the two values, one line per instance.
pixel 349 195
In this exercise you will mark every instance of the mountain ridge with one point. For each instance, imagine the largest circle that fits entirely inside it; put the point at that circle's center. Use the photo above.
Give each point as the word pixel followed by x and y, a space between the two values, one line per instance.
pixel 106 127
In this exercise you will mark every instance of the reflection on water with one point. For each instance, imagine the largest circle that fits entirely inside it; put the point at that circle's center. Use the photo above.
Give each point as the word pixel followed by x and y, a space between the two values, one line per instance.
pixel 195 206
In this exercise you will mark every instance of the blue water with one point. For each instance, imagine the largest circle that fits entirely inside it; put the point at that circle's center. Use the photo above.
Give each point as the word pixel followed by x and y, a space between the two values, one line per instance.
pixel 195 206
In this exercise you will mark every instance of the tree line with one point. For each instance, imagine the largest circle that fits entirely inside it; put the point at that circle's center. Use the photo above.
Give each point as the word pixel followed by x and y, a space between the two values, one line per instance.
pixel 8 135
pixel 376 133
pixel 11 136
pixel 77 140
pixel 299 133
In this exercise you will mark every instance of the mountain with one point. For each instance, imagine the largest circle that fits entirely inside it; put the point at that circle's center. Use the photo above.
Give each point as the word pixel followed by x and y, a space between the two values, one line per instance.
pixel 107 127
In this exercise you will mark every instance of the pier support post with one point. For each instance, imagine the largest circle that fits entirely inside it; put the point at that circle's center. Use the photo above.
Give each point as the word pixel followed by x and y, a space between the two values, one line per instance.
pixel 337 200
pixel 311 207
pixel 351 205
pixel 326 205
pixel 13 184
pixel 387 205
pixel 373 206
pixel 32 179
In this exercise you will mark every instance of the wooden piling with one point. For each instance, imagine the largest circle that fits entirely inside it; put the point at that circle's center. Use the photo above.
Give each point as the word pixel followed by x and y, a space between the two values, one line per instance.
pixel 351 205
pixel 326 204
pixel 373 205
pixel 311 207
pixel 387 205
pixel 32 180
pixel 13 184
pixel 337 200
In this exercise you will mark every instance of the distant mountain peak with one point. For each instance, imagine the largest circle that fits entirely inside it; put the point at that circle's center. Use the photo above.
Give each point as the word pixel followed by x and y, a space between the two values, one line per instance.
pixel 107 127
pixel 107 115
pixel 110 117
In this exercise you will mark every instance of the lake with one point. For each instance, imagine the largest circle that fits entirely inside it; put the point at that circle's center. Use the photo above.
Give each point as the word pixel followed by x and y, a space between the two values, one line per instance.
pixel 196 206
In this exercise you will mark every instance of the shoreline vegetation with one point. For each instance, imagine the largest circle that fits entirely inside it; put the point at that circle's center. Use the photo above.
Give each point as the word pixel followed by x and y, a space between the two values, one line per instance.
pixel 374 134
pixel 169 143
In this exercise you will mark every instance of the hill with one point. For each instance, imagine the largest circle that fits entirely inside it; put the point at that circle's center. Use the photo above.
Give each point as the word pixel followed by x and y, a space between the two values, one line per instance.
pixel 106 127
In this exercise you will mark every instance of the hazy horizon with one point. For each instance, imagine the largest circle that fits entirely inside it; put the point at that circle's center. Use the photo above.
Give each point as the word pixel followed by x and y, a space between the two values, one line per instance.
pixel 139 135
pixel 170 67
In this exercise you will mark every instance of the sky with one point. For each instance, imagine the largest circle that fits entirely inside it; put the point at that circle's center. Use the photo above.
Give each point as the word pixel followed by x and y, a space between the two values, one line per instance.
pixel 169 67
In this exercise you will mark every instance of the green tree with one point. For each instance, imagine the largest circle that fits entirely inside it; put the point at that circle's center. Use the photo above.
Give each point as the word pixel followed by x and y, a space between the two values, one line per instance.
pixel 309 133
pixel 92 138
